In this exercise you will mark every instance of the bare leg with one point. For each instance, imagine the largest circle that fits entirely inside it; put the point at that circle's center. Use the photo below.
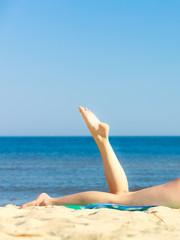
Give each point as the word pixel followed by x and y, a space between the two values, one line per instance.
pixel 82 198
pixel 165 195
pixel 115 175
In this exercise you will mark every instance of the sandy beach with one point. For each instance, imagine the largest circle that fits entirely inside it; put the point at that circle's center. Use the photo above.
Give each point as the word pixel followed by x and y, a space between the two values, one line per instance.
pixel 58 222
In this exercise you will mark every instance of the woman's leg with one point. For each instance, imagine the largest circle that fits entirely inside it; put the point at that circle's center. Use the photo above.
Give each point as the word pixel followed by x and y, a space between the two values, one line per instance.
pixel 82 198
pixel 165 195
pixel 115 175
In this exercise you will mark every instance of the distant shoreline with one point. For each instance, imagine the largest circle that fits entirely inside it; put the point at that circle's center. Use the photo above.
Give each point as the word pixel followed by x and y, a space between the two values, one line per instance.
pixel 88 136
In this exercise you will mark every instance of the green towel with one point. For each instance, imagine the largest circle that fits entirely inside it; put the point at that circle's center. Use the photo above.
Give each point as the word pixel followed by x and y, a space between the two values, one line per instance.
pixel 76 207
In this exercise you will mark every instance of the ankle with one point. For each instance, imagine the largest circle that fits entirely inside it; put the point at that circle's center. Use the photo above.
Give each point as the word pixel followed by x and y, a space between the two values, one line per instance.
pixel 47 202
pixel 101 141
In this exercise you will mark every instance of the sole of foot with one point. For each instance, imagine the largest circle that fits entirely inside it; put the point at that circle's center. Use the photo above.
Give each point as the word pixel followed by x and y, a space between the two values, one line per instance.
pixel 98 129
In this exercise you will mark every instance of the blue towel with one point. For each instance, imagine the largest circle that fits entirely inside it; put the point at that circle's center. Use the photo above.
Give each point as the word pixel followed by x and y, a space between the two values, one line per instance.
pixel 111 206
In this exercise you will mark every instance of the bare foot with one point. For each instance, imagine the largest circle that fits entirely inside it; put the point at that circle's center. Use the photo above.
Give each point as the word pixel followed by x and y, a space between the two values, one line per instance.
pixel 98 129
pixel 42 200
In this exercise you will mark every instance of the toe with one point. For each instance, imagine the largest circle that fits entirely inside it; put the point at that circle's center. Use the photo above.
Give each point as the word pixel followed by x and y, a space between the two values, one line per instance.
pixel 81 109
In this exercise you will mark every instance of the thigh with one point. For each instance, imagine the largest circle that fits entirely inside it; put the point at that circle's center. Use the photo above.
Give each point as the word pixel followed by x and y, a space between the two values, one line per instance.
pixel 172 193
pixel 165 195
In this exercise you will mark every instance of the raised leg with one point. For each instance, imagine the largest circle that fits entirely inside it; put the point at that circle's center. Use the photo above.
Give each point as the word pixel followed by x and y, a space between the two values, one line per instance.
pixel 115 175
pixel 166 195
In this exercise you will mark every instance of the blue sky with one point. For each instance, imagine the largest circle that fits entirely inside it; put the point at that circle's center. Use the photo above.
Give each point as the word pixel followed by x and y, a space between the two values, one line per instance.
pixel 118 58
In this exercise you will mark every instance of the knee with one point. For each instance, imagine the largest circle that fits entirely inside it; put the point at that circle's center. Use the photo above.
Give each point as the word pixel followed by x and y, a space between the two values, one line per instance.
pixel 173 193
pixel 177 181
pixel 120 192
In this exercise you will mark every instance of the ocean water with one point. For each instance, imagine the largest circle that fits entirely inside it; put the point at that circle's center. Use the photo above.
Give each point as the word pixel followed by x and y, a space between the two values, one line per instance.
pixel 66 165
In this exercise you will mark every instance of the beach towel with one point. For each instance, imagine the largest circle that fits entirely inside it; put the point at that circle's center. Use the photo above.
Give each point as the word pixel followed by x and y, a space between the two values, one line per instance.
pixel 110 206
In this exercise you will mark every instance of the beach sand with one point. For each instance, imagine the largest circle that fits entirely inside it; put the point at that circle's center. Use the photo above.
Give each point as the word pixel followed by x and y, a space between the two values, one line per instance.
pixel 58 222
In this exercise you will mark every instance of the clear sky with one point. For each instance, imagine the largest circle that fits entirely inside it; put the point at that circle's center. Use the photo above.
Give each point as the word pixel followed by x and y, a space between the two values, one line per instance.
pixel 120 59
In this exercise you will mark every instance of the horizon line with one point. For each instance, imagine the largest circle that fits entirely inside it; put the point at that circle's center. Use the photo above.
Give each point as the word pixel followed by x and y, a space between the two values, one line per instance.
pixel 87 136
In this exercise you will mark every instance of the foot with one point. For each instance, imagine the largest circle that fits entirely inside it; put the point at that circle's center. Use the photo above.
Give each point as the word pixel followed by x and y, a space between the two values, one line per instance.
pixel 42 200
pixel 98 129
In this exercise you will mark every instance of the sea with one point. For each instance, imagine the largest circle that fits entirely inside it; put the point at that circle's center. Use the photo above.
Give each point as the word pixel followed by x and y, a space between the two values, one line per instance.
pixel 67 165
